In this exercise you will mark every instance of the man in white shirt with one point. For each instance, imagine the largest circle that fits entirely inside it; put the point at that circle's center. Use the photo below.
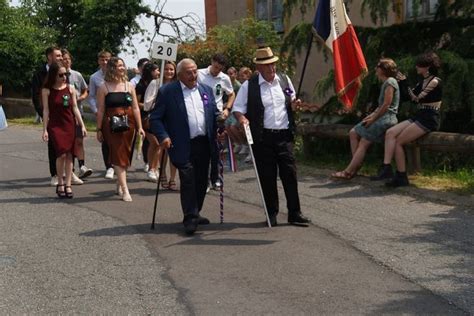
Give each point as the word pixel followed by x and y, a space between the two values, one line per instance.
pixel 184 122
pixel 265 102
pixel 220 84
pixel 95 81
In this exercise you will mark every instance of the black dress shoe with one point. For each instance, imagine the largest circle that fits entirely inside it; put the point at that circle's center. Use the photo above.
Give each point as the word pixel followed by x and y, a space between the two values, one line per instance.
pixel 203 220
pixel 298 218
pixel 190 225
pixel 273 219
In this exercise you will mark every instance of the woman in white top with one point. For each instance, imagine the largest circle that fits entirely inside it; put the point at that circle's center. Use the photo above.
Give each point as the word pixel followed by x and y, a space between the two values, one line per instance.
pixel 154 150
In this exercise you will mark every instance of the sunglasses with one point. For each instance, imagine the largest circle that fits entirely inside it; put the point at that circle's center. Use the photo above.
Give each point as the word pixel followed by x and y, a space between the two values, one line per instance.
pixel 62 75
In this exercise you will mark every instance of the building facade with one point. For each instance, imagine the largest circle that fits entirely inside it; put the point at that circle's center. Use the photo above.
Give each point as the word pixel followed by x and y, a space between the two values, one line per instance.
pixel 220 12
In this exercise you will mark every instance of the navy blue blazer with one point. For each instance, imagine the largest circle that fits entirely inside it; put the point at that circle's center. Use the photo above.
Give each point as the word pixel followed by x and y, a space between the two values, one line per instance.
pixel 170 119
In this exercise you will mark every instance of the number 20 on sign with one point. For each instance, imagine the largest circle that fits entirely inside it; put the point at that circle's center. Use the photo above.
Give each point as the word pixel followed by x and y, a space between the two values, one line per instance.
pixel 164 51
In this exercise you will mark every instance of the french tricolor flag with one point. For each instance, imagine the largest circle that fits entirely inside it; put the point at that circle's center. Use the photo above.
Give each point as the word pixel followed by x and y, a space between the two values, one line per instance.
pixel 332 24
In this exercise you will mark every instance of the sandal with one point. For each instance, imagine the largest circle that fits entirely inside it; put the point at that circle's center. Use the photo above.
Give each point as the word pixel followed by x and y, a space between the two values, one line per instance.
pixel 172 185
pixel 67 193
pixel 164 182
pixel 345 175
pixel 61 193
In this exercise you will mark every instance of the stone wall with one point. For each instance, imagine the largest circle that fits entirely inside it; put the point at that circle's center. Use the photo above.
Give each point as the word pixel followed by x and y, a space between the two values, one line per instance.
pixel 15 108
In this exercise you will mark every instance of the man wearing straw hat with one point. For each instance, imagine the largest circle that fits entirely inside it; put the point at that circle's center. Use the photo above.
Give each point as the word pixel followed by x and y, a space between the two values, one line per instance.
pixel 265 102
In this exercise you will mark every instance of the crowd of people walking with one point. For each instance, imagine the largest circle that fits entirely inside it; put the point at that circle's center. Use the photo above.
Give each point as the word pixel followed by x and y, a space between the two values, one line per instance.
pixel 175 123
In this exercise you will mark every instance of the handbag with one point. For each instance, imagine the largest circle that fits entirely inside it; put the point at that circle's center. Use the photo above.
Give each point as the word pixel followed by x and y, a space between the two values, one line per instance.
pixel 119 123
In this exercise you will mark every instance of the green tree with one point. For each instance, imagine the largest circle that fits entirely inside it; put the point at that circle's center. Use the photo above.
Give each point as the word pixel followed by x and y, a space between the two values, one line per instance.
pixel 237 41
pixel 86 27
pixel 22 45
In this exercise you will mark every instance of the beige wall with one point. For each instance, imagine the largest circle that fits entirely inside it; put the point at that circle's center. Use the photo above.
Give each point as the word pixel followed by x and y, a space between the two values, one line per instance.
pixel 229 11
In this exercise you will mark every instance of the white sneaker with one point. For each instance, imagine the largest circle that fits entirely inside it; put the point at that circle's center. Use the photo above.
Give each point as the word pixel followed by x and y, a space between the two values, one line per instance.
pixel 248 159
pixel 75 180
pixel 152 176
pixel 54 181
pixel 109 174
pixel 146 167
pixel 244 150
pixel 84 172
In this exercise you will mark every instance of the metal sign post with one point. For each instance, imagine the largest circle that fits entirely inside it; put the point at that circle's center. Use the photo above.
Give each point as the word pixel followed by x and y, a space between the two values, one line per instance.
pixel 163 51
pixel 248 134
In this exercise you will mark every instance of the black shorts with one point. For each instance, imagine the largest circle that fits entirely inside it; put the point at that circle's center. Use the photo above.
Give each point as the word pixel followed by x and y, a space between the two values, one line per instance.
pixel 428 120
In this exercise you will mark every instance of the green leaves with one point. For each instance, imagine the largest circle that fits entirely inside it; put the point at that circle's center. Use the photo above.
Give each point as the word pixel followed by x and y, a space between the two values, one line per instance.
pixel 85 27
pixel 237 41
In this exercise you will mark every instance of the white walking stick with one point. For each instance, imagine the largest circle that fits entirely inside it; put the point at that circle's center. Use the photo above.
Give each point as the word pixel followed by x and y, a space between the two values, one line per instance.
pixel 248 134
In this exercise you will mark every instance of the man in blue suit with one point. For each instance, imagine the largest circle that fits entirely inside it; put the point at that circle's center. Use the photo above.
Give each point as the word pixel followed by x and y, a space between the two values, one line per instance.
pixel 184 122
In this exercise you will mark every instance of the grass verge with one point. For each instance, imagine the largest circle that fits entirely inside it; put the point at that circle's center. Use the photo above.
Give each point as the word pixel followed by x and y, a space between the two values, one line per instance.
pixel 30 120
pixel 441 172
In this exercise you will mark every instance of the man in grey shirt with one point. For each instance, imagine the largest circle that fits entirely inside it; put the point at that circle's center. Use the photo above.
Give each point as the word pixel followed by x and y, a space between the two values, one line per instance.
pixel 95 81
pixel 76 80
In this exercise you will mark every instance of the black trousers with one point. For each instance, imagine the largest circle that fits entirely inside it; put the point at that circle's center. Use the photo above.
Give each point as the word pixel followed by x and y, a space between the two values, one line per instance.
pixel 105 155
pixel 145 146
pixel 52 158
pixel 193 177
pixel 275 155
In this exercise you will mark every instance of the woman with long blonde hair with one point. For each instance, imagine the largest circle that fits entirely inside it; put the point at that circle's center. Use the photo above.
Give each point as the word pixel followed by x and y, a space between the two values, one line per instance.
pixel 117 101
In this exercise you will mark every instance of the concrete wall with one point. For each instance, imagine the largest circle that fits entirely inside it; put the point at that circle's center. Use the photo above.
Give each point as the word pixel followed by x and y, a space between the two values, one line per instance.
pixel 229 11
pixel 15 108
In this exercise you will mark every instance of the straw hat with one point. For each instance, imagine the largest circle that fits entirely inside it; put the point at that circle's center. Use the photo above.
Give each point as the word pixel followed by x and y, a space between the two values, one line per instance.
pixel 264 56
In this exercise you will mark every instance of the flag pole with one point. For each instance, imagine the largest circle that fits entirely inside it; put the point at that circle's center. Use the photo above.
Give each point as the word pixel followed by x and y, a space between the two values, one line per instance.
pixel 310 44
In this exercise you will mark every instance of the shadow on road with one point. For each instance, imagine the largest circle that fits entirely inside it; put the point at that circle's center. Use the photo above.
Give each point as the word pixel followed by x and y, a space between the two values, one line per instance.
pixel 415 303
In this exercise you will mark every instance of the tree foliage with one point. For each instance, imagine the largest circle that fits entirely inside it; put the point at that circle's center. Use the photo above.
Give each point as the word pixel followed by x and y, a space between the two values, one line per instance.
pixel 86 27
pixel 237 41
pixel 21 46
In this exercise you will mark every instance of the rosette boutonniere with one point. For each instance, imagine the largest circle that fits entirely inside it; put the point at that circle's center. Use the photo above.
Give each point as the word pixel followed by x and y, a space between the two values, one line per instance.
pixel 65 100
pixel 288 91
pixel 205 99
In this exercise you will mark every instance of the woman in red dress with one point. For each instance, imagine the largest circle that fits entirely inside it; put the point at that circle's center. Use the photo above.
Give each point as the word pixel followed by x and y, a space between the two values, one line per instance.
pixel 59 113
pixel 116 97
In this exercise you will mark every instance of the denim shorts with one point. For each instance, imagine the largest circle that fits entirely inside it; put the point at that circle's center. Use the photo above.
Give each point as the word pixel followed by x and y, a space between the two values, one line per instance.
pixel 376 131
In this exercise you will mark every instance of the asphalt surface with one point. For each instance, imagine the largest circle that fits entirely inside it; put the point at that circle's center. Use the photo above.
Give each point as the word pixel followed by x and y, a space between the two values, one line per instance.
pixel 368 251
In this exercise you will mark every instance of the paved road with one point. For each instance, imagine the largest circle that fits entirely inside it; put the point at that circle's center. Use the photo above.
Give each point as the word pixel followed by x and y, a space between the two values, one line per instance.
pixel 370 251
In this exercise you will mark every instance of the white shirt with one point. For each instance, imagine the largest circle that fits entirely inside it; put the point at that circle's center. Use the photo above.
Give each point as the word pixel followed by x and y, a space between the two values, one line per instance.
pixel 150 95
pixel 195 111
pixel 134 81
pixel 273 99
pixel 205 77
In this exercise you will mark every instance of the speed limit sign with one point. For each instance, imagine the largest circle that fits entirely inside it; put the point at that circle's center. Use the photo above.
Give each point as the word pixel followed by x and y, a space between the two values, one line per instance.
pixel 164 51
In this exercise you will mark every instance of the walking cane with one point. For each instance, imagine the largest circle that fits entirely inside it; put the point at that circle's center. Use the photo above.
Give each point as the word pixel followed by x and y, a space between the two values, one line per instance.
pixel 220 147
pixel 158 187
pixel 248 134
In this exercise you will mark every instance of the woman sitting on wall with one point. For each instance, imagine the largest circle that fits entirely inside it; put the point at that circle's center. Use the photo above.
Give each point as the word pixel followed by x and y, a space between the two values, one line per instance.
pixel 427 94
pixel 372 128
